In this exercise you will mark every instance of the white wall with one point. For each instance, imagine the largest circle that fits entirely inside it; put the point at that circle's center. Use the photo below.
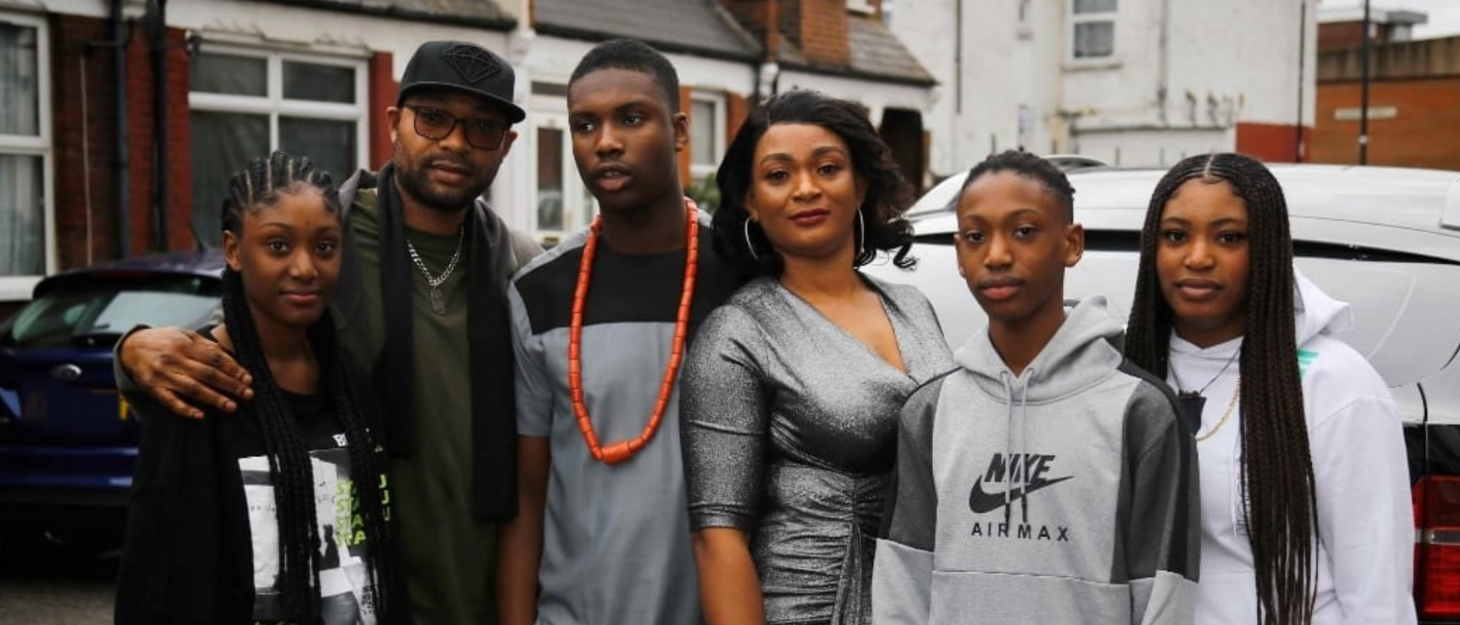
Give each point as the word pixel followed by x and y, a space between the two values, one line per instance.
pixel 876 97
pixel 552 60
pixel 1247 52
pixel 1220 63
pixel 319 31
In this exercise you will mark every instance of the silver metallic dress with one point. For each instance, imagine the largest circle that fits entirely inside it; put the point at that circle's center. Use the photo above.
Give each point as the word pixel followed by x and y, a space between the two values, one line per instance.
pixel 789 428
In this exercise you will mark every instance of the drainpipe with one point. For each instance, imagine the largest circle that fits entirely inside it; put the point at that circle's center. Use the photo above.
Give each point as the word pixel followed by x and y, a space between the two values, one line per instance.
pixel 769 71
pixel 120 169
pixel 1364 90
pixel 156 29
pixel 1163 86
pixel 1302 64
pixel 157 39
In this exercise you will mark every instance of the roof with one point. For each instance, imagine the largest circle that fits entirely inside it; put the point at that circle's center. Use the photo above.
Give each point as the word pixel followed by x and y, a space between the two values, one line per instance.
pixel 878 52
pixel 482 13
pixel 874 52
pixel 695 26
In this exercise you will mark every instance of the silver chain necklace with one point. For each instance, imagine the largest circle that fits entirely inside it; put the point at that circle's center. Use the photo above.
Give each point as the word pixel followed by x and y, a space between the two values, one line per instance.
pixel 1181 388
pixel 438 301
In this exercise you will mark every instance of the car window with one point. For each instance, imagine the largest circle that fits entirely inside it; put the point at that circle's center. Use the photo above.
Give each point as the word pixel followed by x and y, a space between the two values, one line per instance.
pixel 86 311
pixel 939 198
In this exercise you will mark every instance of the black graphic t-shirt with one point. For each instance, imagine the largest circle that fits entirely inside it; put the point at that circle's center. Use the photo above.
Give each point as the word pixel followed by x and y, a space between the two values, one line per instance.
pixel 202 543
pixel 344 581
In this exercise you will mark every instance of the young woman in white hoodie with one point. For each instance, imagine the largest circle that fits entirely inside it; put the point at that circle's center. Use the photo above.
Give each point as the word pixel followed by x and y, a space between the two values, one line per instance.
pixel 1304 482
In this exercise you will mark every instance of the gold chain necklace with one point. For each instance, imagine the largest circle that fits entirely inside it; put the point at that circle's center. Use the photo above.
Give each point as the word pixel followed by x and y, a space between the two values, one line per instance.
pixel 1226 414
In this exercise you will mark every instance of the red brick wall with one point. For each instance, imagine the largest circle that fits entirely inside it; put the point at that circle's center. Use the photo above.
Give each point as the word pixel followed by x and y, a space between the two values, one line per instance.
pixel 819 28
pixel 69 34
pixel 737 108
pixel 180 141
pixel 1272 143
pixel 383 88
pixel 754 15
pixel 1424 133
pixel 1340 35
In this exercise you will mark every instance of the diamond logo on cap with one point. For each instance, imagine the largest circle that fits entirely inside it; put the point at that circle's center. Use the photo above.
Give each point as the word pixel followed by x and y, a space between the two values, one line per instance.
pixel 473 64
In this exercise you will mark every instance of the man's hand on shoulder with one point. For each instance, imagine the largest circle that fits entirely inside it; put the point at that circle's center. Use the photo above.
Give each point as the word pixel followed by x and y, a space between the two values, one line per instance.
pixel 182 370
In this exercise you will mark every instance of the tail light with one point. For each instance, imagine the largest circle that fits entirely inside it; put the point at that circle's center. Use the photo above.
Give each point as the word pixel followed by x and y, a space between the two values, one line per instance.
pixel 1437 546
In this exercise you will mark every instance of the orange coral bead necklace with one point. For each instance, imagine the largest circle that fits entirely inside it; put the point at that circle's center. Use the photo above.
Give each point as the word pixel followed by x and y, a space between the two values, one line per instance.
pixel 620 451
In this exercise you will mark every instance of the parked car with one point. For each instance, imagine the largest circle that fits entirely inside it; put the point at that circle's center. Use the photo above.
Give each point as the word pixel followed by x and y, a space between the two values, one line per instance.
pixel 941 195
pixel 67 442
pixel 1385 240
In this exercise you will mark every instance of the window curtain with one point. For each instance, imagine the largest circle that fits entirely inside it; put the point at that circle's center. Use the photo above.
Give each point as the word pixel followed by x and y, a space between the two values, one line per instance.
pixel 223 143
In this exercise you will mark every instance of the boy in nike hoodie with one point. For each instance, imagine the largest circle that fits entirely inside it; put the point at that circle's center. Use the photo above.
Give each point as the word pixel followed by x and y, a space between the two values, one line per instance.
pixel 1047 480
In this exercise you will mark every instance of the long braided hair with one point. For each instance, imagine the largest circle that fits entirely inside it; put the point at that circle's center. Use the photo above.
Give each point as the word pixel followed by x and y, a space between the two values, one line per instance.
pixel 1277 468
pixel 261 185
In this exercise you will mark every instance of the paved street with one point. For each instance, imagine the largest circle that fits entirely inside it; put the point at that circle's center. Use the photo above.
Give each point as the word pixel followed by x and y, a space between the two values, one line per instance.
pixel 44 585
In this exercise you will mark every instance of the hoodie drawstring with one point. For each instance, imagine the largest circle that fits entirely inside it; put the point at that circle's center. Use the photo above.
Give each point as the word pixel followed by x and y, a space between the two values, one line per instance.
pixel 1006 378
pixel 1018 463
pixel 1024 440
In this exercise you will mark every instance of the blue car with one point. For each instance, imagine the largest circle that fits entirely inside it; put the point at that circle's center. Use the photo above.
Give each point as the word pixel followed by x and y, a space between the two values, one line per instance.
pixel 67 441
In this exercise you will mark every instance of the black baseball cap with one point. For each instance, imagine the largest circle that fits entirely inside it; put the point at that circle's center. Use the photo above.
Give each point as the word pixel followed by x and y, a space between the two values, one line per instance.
pixel 462 67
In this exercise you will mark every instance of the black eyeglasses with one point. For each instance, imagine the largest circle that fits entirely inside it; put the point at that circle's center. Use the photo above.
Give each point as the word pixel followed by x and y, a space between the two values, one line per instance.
pixel 436 124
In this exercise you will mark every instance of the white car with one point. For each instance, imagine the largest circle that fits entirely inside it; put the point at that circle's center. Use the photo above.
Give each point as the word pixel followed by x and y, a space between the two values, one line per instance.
pixel 1386 240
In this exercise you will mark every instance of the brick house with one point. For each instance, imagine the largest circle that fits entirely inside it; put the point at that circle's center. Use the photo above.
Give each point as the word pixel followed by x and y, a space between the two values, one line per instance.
pixel 1414 93
pixel 86 120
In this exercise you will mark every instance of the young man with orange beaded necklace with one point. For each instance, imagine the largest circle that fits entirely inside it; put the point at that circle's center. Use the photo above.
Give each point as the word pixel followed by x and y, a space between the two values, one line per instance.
pixel 600 325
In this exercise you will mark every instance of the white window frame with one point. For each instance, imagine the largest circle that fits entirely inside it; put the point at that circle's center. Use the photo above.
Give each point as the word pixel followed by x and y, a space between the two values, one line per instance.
pixel 578 205
pixel 717 139
pixel 1073 19
pixel 19 288
pixel 275 105
pixel 864 7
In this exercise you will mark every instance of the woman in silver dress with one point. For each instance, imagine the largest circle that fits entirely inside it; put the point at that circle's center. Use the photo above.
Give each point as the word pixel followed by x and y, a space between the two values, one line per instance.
pixel 792 389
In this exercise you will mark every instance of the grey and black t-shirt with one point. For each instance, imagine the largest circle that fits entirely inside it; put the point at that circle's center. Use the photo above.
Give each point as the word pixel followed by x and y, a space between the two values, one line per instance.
pixel 616 543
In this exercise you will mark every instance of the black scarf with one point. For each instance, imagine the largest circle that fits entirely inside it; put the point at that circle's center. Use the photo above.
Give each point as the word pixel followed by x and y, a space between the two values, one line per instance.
pixel 493 404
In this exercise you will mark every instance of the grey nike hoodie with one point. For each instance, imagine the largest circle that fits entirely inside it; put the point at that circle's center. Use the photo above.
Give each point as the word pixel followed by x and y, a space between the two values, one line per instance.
pixel 1065 494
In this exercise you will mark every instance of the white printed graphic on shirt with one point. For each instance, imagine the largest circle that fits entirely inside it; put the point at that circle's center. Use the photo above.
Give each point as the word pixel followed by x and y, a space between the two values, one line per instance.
pixel 344 587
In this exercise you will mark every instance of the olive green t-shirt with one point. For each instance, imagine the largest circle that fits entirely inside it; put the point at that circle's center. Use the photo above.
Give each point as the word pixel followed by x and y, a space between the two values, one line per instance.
pixel 447 554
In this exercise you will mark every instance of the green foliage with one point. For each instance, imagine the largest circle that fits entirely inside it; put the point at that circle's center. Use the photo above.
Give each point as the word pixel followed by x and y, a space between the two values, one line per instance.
pixel 705 193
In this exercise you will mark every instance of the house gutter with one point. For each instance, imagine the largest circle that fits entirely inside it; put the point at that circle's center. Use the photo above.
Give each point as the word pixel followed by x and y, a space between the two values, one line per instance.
pixel 157 40
pixel 121 36
pixel 1163 86
pixel 503 23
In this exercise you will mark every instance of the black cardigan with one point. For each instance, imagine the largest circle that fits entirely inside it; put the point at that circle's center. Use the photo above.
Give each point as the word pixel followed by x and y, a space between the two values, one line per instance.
pixel 188 549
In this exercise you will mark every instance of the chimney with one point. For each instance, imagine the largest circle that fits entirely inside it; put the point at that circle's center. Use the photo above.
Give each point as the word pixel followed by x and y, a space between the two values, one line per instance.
pixel 819 28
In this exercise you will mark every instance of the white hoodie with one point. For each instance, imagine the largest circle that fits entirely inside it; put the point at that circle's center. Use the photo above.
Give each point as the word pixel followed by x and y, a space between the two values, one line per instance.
pixel 1365 524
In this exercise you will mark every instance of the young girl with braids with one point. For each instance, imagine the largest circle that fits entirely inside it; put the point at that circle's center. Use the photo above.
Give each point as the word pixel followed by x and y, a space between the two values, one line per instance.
pixel 279 514
pixel 1304 481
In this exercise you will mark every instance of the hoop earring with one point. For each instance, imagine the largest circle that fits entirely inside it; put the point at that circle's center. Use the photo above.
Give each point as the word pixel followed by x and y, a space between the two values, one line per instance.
pixel 861 234
pixel 748 244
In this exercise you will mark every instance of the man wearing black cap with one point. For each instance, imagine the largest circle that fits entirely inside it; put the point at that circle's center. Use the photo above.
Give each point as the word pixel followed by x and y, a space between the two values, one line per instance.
pixel 441 358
